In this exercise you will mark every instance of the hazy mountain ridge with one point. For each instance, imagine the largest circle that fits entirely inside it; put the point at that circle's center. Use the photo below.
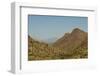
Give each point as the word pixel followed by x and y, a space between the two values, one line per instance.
pixel 71 45
pixel 51 40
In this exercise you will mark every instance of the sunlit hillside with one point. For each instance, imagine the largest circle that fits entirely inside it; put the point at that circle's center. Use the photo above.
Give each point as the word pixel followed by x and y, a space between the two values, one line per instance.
pixel 71 46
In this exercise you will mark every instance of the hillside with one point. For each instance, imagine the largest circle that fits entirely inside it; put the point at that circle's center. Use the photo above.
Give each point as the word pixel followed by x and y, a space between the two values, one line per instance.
pixel 72 41
pixel 41 51
pixel 71 45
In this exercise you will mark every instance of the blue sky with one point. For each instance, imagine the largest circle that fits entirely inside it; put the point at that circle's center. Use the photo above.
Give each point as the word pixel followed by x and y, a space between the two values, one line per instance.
pixel 46 27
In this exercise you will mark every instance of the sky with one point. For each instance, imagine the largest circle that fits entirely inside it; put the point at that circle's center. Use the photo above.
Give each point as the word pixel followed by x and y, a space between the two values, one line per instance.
pixel 45 27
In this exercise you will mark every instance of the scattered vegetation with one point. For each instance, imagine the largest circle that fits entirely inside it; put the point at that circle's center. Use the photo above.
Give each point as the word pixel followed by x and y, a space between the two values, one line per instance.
pixel 43 51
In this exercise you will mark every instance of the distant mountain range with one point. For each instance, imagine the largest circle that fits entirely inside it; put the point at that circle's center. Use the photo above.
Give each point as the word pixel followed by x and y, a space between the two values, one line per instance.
pixel 51 40
pixel 70 46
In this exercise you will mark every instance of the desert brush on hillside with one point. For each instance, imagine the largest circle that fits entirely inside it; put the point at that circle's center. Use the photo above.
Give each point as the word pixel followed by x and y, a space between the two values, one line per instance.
pixel 72 45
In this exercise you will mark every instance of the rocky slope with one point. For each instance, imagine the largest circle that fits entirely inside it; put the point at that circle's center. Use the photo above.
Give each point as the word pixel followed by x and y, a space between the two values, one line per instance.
pixel 71 45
